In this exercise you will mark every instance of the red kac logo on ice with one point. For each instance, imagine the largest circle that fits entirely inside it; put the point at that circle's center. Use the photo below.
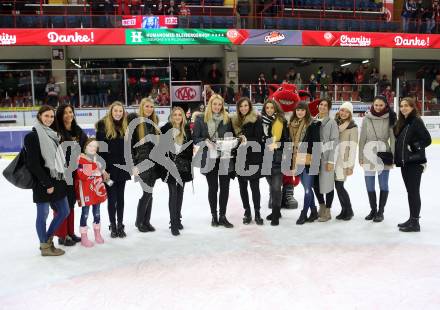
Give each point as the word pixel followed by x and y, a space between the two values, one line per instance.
pixel 70 38
pixel 186 93
pixel 8 39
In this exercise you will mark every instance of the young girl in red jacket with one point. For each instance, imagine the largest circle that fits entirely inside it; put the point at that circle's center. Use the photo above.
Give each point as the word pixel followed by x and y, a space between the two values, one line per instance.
pixel 90 190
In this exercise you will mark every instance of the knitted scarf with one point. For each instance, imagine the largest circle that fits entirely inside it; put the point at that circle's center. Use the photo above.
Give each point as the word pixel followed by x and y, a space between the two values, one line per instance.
pixel 213 124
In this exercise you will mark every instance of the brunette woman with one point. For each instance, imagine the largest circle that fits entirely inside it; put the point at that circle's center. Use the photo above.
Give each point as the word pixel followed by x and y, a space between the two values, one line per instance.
pixel 111 130
pixel 45 160
pixel 69 131
pixel 248 127
pixel 213 125
pixel 412 138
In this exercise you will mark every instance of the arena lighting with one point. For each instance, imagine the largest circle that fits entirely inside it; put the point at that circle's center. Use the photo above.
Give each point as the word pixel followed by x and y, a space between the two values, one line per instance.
pixel 365 61
pixel 346 64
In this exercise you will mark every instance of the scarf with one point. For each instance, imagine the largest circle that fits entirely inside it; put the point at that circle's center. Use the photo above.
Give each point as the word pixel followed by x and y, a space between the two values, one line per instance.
pixel 51 151
pixel 343 126
pixel 267 120
pixel 392 115
pixel 213 124
pixel 297 131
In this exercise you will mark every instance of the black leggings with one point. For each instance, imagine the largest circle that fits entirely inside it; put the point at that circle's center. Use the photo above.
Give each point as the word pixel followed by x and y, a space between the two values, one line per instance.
pixel 214 179
pixel 255 188
pixel 328 197
pixel 412 177
pixel 115 195
pixel 175 202
pixel 343 196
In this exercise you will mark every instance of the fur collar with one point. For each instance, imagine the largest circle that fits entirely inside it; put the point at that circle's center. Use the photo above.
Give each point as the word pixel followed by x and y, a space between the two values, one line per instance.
pixel 250 118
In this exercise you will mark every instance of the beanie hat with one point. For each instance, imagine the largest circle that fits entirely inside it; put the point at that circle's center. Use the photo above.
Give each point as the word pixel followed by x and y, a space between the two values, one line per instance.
pixel 348 106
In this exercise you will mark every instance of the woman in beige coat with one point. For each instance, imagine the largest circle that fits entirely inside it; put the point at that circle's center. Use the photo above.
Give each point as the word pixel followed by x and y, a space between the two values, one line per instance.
pixel 377 133
pixel 346 157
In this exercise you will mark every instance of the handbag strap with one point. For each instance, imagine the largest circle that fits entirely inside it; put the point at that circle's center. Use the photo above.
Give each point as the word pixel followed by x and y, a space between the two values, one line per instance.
pixel 216 129
pixel 374 129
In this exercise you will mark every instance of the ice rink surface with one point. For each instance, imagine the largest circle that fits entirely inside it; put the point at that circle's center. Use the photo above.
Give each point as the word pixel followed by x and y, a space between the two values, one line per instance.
pixel 333 265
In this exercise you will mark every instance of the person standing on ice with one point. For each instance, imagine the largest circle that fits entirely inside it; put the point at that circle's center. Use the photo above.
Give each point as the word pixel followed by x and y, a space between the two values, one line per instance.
pixel 180 153
pixel 275 134
pixel 212 126
pixel 146 134
pixel 111 130
pixel 69 131
pixel 90 191
pixel 304 134
pixel 324 182
pixel 248 127
pixel 412 138
pixel 346 157
pixel 377 139
pixel 45 160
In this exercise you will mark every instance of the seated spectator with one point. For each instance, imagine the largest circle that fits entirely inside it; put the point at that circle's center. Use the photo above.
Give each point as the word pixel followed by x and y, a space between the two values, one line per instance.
pixel 52 92
pixel 172 8
pixel 163 99
pixel 184 10
pixel 435 87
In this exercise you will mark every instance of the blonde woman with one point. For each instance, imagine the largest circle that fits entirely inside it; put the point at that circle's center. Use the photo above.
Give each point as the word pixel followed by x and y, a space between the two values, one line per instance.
pixel 346 156
pixel 140 153
pixel 212 125
pixel 182 158
pixel 111 130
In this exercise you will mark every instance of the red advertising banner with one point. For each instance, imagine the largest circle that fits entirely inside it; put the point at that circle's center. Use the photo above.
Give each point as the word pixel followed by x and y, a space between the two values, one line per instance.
pixel 370 39
pixel 150 22
pixel 62 37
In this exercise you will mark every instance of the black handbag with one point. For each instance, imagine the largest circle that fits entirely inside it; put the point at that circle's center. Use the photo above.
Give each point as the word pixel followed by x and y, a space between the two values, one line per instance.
pixel 18 174
pixel 387 157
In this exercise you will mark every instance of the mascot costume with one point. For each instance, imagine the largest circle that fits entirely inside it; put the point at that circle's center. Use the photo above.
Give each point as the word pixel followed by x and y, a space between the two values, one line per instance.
pixel 288 96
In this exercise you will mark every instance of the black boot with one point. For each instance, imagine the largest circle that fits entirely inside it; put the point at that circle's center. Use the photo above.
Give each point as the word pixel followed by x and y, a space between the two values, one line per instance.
pixel 214 222
pixel 223 221
pixel 269 217
pixel 313 215
pixel 288 201
pixel 179 225
pixel 373 206
pixel 413 225
pixel 382 202
pixel 404 224
pixel 258 218
pixel 341 215
pixel 75 238
pixel 146 221
pixel 247 219
pixel 121 231
pixel 302 218
pixel 269 204
pixel 113 231
pixel 140 215
pixel 66 241
pixel 348 213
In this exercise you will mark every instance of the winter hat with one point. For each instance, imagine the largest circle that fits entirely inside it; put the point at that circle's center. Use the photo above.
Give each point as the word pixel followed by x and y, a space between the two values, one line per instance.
pixel 348 106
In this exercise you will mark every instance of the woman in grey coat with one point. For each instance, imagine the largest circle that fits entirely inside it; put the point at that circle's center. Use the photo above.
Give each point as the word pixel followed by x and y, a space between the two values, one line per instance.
pixel 325 181
pixel 376 133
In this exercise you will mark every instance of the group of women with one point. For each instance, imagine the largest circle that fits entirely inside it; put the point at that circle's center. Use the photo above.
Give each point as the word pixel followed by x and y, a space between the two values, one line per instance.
pixel 321 153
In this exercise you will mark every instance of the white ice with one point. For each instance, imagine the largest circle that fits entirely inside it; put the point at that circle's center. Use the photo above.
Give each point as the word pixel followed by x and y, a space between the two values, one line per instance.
pixel 343 265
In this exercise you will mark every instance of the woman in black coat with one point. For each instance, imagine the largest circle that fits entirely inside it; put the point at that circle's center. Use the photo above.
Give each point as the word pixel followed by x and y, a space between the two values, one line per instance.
pixel 180 152
pixel 45 161
pixel 213 126
pixel 412 138
pixel 248 127
pixel 69 131
pixel 146 128
pixel 111 130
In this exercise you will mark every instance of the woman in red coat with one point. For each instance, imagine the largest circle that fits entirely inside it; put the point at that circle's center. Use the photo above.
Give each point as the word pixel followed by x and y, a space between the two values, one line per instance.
pixel 90 190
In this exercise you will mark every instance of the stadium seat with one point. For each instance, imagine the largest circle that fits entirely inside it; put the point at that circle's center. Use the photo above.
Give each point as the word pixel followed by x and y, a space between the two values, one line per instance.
pixel 58 22
pixel 230 22
pixel 355 25
pixel 269 23
pixel 74 21
pixel 218 22
pixel 207 22
pixel 23 21
pixel 195 21
pixel 86 22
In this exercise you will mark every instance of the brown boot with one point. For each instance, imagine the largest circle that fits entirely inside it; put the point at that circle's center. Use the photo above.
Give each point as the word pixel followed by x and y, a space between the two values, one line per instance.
pixel 46 250
pixel 55 251
pixel 326 215
pixel 321 210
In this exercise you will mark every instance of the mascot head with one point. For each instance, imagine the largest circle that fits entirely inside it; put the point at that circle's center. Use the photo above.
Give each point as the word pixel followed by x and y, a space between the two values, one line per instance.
pixel 288 96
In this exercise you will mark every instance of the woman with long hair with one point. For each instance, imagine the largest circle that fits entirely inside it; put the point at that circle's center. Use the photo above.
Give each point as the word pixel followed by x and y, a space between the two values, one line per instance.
pixel 304 133
pixel 377 132
pixel 213 125
pixel 45 160
pixel 69 131
pixel 325 182
pixel 346 156
pixel 111 130
pixel 247 126
pixel 149 122
pixel 180 153
pixel 412 138
pixel 274 129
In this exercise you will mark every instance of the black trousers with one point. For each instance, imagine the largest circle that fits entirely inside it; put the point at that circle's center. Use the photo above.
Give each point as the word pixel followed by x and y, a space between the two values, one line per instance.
pixel 275 182
pixel 328 197
pixel 115 203
pixel 255 188
pixel 216 181
pixel 343 196
pixel 175 202
pixel 412 176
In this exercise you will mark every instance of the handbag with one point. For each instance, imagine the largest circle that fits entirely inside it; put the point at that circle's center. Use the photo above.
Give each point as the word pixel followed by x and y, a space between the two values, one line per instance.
pixel 387 157
pixel 18 174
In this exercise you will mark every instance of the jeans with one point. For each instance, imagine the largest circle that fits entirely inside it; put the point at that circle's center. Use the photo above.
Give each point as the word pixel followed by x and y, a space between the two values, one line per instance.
pixel 85 215
pixel 307 183
pixel 383 181
pixel 255 188
pixel 175 202
pixel 115 202
pixel 62 211
pixel 275 182
pixel 103 99
pixel 214 179
pixel 405 24
pixel 412 176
